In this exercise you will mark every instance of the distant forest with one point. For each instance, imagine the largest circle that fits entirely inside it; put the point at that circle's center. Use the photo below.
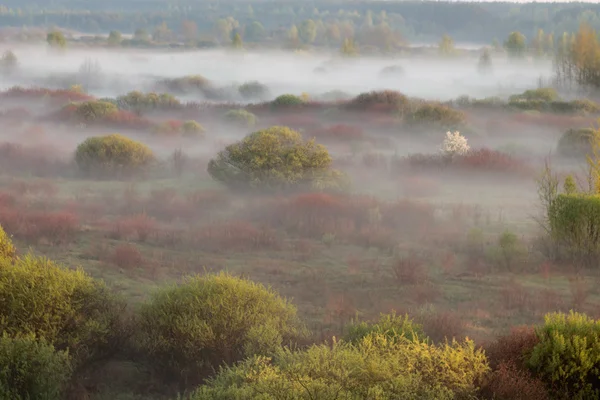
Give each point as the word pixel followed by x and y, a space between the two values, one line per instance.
pixel 316 22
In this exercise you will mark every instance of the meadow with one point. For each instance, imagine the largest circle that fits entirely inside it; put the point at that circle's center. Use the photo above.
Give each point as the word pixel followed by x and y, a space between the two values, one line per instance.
pixel 457 243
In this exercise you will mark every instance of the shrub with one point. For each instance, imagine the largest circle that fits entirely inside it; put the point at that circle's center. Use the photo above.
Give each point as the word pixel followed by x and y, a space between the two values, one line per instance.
pixel 31 369
pixel 127 256
pixel 207 321
pixel 240 117
pixel 287 100
pixel 374 368
pixel 455 144
pixel 513 348
pixel 508 382
pixel 387 99
pixel 276 157
pixel 192 128
pixel 67 308
pixel 186 84
pixel 575 223
pixel 577 142
pixel 93 111
pixel 541 94
pixel 112 155
pixel 391 325
pixel 138 101
pixel 567 357
pixel 437 114
pixel 7 249
pixel 254 90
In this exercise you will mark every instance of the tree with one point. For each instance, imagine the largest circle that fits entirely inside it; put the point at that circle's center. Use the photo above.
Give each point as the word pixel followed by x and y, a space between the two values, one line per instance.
pixel 8 61
pixel 348 48
pixel 211 320
pixel 56 39
pixel 516 45
pixel 89 71
pixel 114 38
pixel 274 158
pixel 485 62
pixel 189 30
pixel 446 46
pixel 236 42
pixel 307 31
pixel 112 155
pixel 140 35
pixel 255 32
pixel 162 33
pixel 293 36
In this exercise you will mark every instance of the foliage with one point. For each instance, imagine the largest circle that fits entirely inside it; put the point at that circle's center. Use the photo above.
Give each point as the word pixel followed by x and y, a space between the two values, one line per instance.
pixel 94 111
pixel 375 367
pixel 287 100
pixel 446 46
pixel 111 155
pixel 516 45
pixel 241 117
pixel 114 38
pixel 31 369
pixel 7 249
pixel 56 39
pixel 192 128
pixel 391 99
pixel 391 326
pixel 276 157
pixel 236 42
pixel 484 65
pixel 575 223
pixel 437 114
pixel 569 186
pixel 509 382
pixel 577 142
pixel 541 94
pixel 349 48
pixel 455 144
pixel 8 61
pixel 254 90
pixel 568 355
pixel 211 320
pixel 66 307
pixel 138 101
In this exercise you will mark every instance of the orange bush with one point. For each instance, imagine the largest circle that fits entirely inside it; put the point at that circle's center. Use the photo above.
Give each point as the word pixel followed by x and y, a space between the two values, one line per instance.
pixel 513 347
pixel 235 236
pixel 127 256
pixel 508 382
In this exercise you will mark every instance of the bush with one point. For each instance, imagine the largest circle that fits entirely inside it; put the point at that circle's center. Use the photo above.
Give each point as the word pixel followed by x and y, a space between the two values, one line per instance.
pixel 567 357
pixel 192 128
pixel 575 223
pixel 93 111
pixel 389 100
pixel 112 155
pixel 186 84
pixel 541 94
pixel 577 142
pixel 67 308
pixel 373 368
pixel 513 348
pixel 391 326
pixel 240 117
pixel 287 100
pixel 7 249
pixel 138 101
pixel 509 382
pixel 275 158
pixel 437 114
pixel 254 90
pixel 212 320
pixel 31 369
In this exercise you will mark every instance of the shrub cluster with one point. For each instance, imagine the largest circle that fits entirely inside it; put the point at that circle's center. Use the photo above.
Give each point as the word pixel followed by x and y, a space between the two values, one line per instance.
pixel 287 100
pixel 138 101
pixel 241 117
pixel 577 142
pixel 112 155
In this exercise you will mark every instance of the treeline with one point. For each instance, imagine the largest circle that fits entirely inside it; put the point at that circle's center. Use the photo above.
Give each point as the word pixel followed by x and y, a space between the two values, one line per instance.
pixel 413 21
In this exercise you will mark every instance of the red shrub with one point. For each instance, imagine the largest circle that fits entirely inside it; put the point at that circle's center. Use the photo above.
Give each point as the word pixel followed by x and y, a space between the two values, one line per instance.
pixel 409 270
pixel 127 256
pixel 61 95
pixel 490 160
pixel 445 325
pixel 509 382
pixel 142 225
pixel 125 119
pixel 514 296
pixel 56 227
pixel 513 347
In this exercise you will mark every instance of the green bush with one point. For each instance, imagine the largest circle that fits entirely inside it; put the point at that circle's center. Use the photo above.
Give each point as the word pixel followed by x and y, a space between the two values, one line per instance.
pixel 254 90
pixel 374 368
pixel 207 321
pixel 186 84
pixel 91 111
pixel 287 100
pixel 437 114
pixel 577 142
pixel 390 325
pixel 575 224
pixel 112 155
pixel 65 307
pixel 388 98
pixel 545 95
pixel 7 249
pixel 192 128
pixel 138 101
pixel 567 357
pixel 275 158
pixel 240 117
pixel 31 369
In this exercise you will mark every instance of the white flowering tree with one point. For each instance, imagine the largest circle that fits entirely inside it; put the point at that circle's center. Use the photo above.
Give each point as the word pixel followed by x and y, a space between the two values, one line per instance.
pixel 455 144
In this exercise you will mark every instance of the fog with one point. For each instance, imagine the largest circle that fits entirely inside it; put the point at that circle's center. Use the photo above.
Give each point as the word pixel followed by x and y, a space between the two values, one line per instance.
pixel 316 74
